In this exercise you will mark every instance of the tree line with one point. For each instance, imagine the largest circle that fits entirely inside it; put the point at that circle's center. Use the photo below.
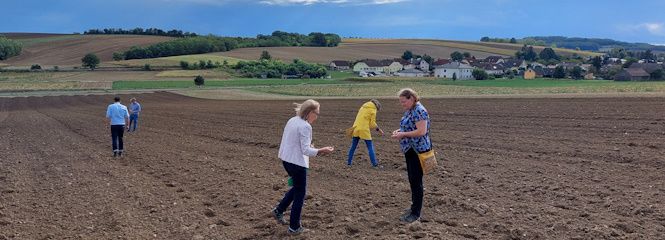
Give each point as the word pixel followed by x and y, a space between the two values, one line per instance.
pixel 206 44
pixel 9 48
pixel 275 69
pixel 586 44
pixel 141 31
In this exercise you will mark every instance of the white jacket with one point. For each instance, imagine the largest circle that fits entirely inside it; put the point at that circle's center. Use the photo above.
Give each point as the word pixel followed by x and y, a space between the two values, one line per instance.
pixel 296 146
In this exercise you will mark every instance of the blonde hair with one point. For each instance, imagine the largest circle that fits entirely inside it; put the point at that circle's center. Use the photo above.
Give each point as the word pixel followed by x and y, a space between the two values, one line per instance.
pixel 408 93
pixel 303 109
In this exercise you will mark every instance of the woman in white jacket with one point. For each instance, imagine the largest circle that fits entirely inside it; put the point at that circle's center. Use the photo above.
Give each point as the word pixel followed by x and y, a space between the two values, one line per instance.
pixel 294 151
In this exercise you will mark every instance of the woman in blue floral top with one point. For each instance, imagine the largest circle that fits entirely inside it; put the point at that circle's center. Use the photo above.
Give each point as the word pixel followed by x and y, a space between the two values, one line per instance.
pixel 413 135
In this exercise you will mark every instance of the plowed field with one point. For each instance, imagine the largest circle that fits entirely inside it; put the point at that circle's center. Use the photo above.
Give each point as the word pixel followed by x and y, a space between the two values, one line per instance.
pixel 583 168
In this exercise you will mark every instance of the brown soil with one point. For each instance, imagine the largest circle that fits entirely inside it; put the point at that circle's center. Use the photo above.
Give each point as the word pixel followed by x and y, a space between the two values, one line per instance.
pixel 70 51
pixel 350 52
pixel 581 168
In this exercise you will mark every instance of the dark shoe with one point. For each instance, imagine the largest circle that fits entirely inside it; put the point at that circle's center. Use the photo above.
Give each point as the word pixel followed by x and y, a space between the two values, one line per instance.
pixel 279 216
pixel 297 231
pixel 378 167
pixel 119 154
pixel 407 212
pixel 409 218
pixel 115 154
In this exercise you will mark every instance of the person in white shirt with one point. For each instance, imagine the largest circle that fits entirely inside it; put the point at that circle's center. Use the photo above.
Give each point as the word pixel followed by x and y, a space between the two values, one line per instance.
pixel 294 151
pixel 118 118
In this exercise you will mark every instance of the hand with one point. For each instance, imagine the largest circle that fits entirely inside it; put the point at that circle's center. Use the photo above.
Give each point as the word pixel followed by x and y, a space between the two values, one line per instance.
pixel 380 131
pixel 326 150
pixel 397 134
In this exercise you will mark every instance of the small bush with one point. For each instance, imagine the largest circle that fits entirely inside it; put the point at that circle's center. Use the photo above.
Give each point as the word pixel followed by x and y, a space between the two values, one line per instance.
pixel 35 67
pixel 199 81
pixel 147 67
pixel 184 65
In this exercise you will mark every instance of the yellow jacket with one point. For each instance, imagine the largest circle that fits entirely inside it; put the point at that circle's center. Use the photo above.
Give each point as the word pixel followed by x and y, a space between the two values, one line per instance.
pixel 365 120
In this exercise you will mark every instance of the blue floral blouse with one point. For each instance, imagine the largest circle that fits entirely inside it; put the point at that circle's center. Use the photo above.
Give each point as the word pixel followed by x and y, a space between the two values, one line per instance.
pixel 408 124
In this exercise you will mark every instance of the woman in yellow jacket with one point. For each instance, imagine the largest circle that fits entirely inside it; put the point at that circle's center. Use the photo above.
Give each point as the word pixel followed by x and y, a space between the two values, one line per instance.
pixel 365 120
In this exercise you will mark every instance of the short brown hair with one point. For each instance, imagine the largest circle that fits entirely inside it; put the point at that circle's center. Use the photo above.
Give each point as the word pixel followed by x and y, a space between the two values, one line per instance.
pixel 303 109
pixel 377 104
pixel 408 93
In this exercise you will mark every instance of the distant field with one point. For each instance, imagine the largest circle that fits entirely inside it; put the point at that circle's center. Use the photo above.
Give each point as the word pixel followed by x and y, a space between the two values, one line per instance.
pixel 356 49
pixel 62 50
pixel 507 49
pixel 132 85
pixel 174 61
pixel 439 87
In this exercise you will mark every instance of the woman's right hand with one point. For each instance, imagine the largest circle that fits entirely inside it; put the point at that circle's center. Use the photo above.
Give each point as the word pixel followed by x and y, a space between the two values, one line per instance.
pixel 326 150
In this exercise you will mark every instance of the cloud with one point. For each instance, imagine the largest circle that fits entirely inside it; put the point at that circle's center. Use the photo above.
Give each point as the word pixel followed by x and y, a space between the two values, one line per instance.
pixel 654 28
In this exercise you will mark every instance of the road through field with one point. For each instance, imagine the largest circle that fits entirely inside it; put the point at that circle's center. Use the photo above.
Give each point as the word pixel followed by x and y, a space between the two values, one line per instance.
pixel 527 168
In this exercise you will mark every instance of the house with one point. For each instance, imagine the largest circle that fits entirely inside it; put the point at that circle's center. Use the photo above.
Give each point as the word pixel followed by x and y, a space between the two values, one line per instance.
pixel 411 73
pixel 405 63
pixel 514 64
pixel 377 66
pixel 589 76
pixel 493 59
pixel 632 74
pixel 648 67
pixel 529 74
pixel 422 65
pixel 440 62
pixel 544 72
pixel 491 68
pixel 339 65
pixel 460 70
pixel 568 65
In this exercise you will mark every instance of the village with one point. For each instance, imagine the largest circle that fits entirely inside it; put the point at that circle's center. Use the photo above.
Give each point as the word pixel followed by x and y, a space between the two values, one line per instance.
pixel 491 67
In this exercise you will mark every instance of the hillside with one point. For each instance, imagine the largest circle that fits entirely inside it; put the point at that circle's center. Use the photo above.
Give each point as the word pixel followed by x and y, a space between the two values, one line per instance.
pixel 68 49
pixel 355 49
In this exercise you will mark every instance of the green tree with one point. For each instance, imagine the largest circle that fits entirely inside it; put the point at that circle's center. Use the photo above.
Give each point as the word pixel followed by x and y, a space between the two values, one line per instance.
pixel 576 72
pixel 147 67
pixel 513 40
pixel 479 74
pixel 597 62
pixel 427 58
pixel 9 48
pixel 485 39
pixel 265 55
pixel 90 60
pixel 35 67
pixel 454 76
pixel 559 72
pixel 548 54
pixel 456 56
pixel 658 75
pixel 629 61
pixel 184 65
pixel 407 55
pixel 466 54
pixel 199 81
pixel 117 56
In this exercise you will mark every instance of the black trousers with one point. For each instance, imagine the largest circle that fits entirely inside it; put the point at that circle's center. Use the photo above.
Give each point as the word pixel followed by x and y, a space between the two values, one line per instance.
pixel 415 172
pixel 117 132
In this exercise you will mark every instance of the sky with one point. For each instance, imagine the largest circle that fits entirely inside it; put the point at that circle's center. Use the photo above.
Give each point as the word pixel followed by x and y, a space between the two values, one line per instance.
pixel 630 21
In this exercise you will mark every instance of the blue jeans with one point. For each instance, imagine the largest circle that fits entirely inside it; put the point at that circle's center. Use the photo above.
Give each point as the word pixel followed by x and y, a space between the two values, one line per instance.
pixel 370 149
pixel 295 195
pixel 133 122
pixel 116 137
pixel 415 172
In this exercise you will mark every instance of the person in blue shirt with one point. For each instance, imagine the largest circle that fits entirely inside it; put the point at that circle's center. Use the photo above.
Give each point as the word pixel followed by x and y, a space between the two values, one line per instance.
pixel 134 111
pixel 118 117
pixel 413 136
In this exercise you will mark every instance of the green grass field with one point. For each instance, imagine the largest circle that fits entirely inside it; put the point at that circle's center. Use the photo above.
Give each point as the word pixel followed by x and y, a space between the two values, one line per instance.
pixel 127 85
pixel 174 61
